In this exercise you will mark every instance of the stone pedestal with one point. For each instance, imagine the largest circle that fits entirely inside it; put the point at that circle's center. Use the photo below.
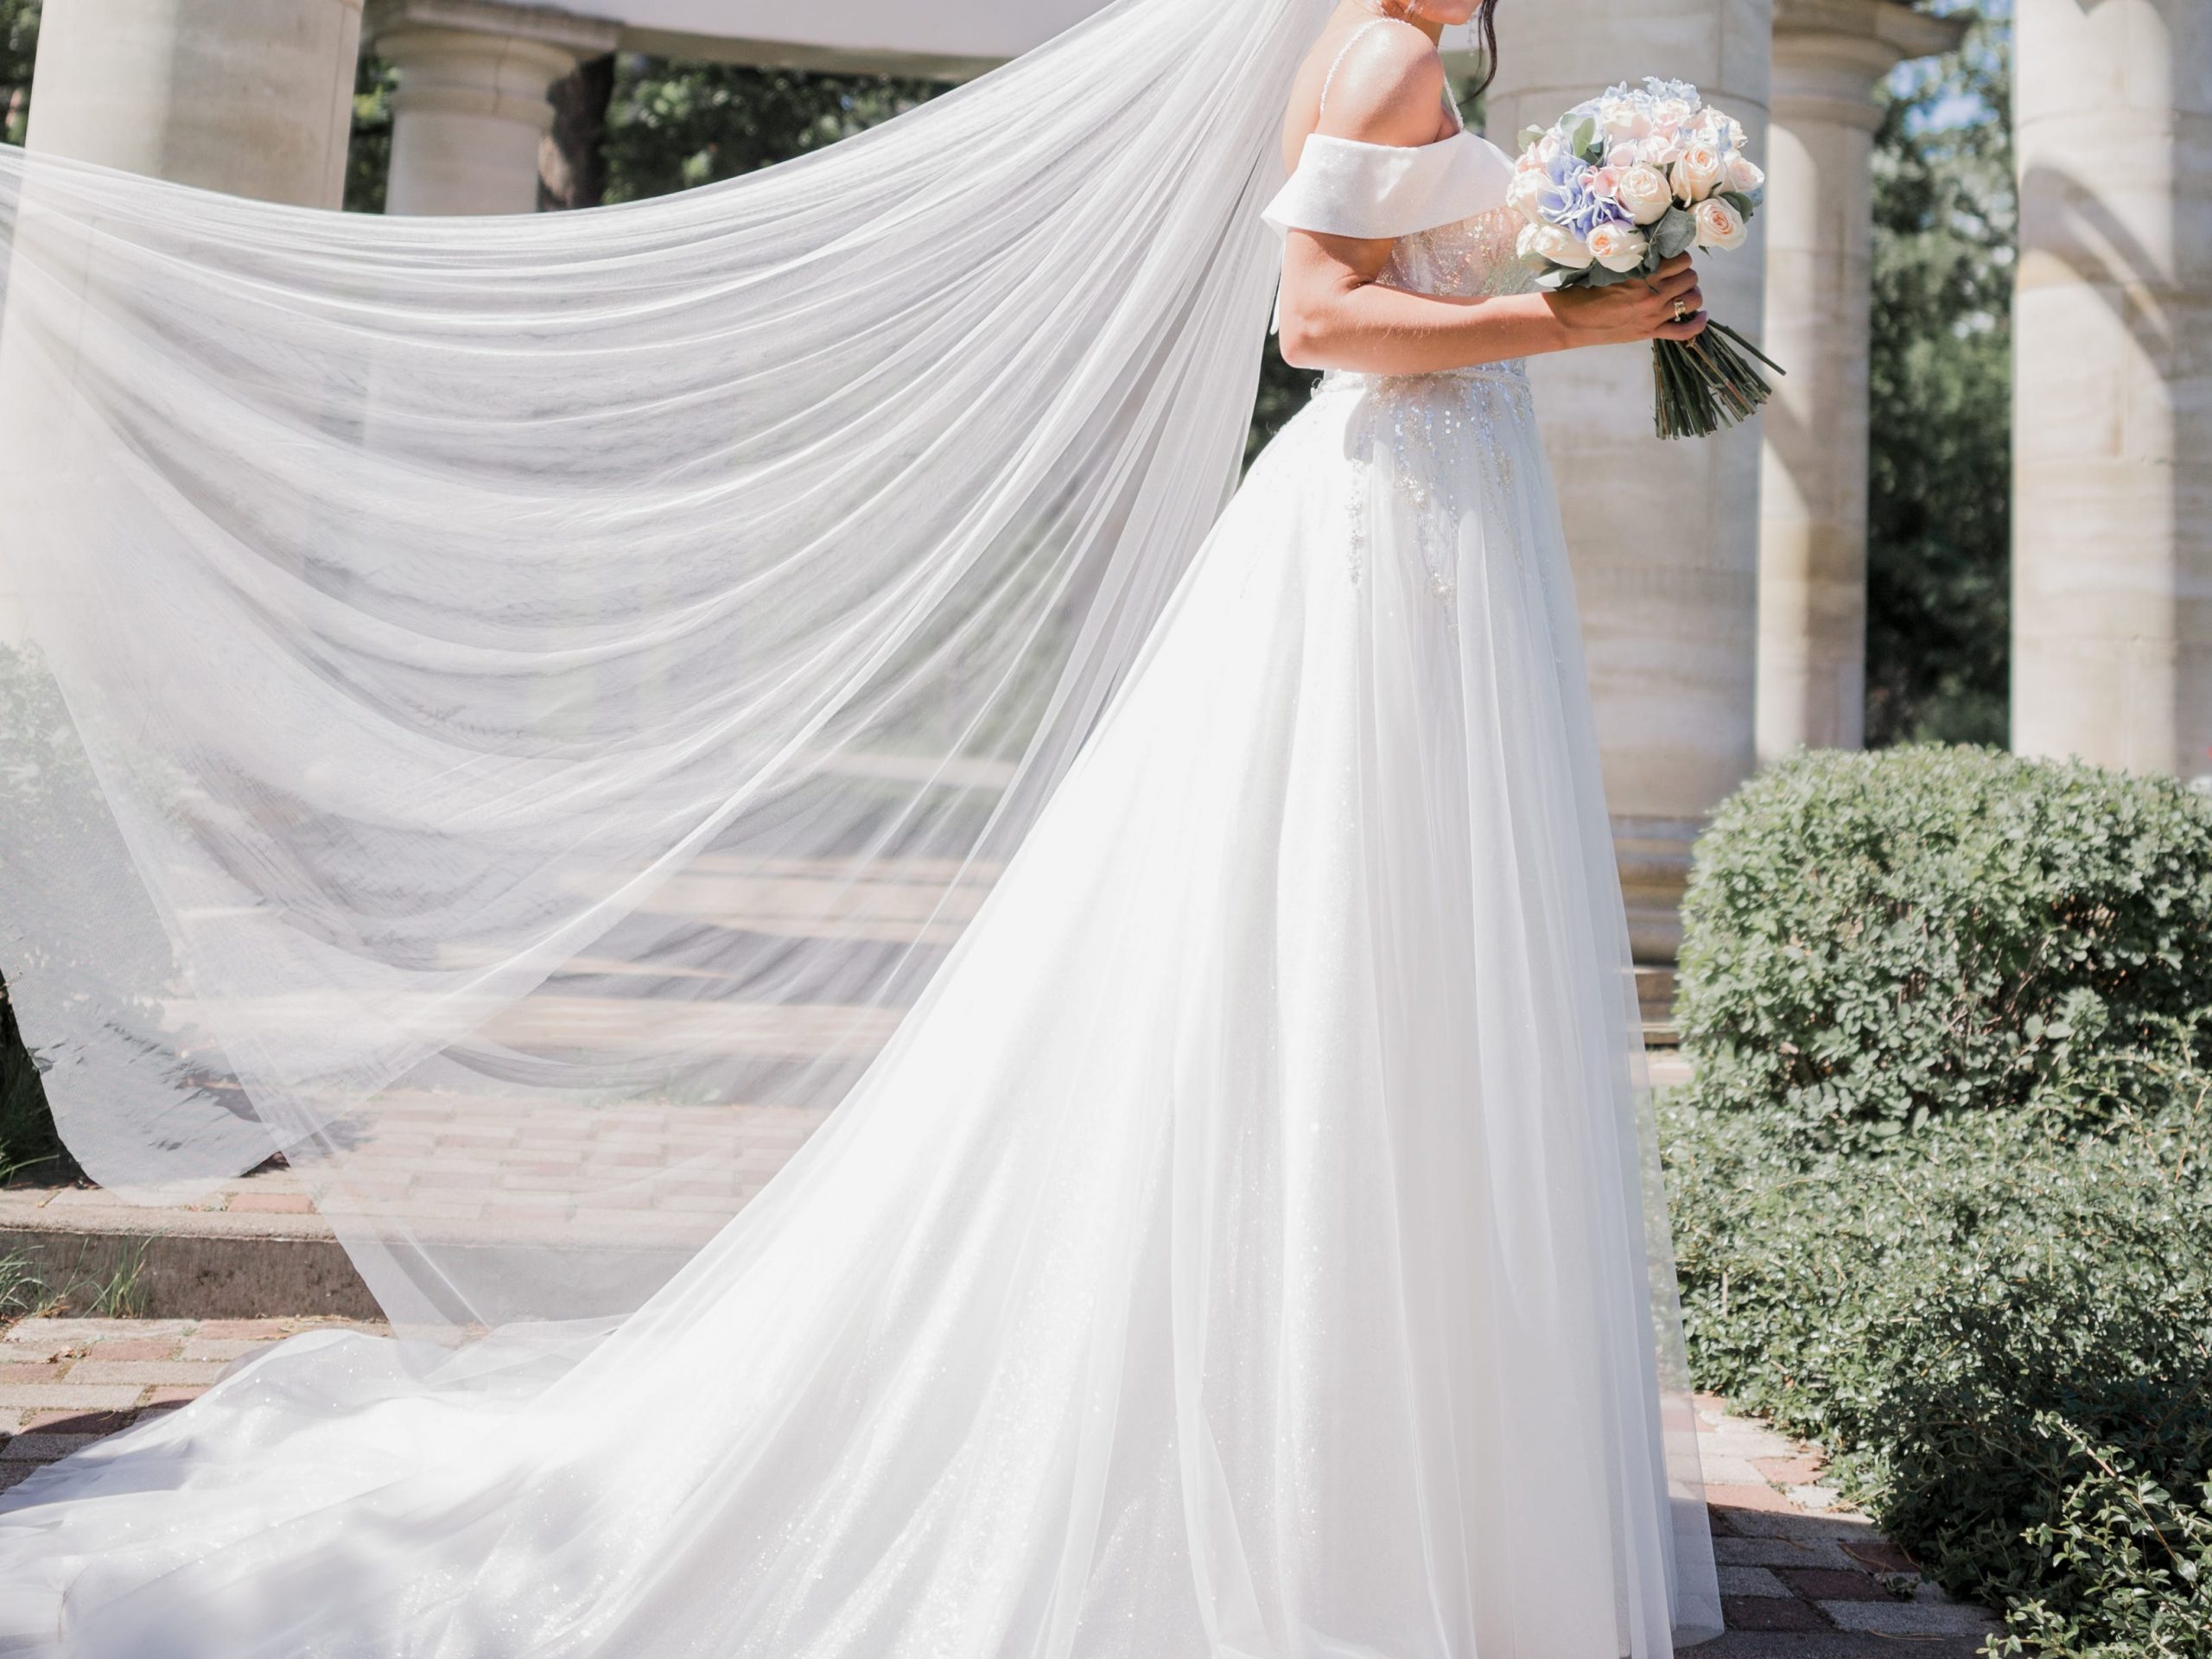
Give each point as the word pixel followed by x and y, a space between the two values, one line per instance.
pixel 254 97
pixel 1670 616
pixel 471 109
pixel 1828 57
pixel 2112 447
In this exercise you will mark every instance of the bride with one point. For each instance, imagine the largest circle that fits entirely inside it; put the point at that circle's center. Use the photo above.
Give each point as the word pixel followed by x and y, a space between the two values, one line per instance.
pixel 1246 1245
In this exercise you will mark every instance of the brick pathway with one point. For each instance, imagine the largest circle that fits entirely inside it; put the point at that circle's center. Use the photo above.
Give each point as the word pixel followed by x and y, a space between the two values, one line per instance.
pixel 471 1170
pixel 1801 1577
pixel 657 1175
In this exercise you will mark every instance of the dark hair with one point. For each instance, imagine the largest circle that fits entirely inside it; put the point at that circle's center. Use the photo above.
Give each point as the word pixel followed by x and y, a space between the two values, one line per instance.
pixel 1486 27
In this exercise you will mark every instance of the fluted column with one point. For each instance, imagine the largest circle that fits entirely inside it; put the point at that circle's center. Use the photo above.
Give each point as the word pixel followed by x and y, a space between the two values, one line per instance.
pixel 2112 447
pixel 254 97
pixel 1669 613
pixel 1828 57
pixel 471 109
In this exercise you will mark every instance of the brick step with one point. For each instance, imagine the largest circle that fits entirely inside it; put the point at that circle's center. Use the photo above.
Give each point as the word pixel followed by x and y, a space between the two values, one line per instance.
pixel 1655 997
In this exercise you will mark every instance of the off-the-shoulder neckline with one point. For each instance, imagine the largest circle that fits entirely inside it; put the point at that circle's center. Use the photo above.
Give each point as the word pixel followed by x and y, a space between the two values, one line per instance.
pixel 1369 143
pixel 1410 149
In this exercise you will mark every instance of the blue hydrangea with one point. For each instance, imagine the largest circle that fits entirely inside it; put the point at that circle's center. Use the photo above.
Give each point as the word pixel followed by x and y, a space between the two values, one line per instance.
pixel 1645 96
pixel 1566 199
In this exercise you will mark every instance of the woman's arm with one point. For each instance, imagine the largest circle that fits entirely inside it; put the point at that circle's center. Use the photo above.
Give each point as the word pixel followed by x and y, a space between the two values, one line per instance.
pixel 1337 316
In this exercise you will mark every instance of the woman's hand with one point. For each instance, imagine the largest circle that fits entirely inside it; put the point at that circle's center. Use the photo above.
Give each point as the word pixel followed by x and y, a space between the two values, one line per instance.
pixel 1637 309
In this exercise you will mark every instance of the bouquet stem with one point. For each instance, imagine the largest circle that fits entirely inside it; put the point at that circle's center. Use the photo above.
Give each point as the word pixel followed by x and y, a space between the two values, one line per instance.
pixel 1701 385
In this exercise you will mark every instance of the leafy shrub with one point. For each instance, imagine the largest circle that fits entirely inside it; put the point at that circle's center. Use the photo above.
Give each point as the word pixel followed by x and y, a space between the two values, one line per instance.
pixel 1873 940
pixel 2144 1555
pixel 1943 1178
pixel 2003 1330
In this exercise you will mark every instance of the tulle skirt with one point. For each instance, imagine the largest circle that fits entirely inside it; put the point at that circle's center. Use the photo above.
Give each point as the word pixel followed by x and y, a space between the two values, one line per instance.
pixel 1249 1246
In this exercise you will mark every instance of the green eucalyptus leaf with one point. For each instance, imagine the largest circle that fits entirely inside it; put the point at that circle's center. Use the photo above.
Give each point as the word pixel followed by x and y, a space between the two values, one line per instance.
pixel 1674 233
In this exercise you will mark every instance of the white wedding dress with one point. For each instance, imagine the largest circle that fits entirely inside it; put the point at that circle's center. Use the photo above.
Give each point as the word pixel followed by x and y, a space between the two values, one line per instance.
pixel 1240 1251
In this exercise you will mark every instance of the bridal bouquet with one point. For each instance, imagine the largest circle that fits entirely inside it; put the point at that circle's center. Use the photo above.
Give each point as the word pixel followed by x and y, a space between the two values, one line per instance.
pixel 1630 178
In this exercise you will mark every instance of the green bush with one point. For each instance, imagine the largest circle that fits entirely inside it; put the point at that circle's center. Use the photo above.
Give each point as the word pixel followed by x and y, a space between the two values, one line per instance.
pixel 1873 940
pixel 2138 1562
pixel 1943 1178
pixel 1971 1323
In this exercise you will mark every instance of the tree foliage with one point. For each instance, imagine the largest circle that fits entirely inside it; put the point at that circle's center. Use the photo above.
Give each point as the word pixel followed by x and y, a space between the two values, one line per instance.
pixel 368 157
pixel 1940 470
pixel 672 125
pixel 18 48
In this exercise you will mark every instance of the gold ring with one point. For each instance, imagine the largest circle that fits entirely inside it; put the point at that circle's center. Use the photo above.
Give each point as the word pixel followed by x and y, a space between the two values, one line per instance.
pixel 1680 311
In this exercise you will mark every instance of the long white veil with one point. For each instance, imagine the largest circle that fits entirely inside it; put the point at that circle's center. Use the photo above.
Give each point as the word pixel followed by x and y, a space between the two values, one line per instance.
pixel 538 696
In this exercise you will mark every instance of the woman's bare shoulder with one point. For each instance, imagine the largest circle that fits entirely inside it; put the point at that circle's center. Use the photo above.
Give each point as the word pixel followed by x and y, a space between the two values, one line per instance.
pixel 1388 88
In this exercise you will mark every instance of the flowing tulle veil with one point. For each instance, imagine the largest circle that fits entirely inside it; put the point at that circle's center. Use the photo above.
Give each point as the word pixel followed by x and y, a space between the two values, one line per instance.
pixel 590 665
pixel 508 713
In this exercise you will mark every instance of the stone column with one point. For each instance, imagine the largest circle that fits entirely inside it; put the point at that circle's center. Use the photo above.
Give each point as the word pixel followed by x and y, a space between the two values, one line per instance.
pixel 2112 445
pixel 471 107
pixel 254 97
pixel 1828 57
pixel 1669 618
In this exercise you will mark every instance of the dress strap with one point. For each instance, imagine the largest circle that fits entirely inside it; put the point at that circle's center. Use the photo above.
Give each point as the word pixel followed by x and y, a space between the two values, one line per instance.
pixel 1337 63
pixel 1345 51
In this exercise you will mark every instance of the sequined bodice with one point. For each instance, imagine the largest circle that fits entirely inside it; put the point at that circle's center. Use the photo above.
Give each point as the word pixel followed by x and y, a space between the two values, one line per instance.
pixel 1437 444
pixel 1471 258
pixel 1467 258
pixel 1425 456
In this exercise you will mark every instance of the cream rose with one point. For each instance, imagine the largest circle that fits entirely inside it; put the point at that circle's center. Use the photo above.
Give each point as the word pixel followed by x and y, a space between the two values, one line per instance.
pixel 1742 173
pixel 1643 190
pixel 1619 118
pixel 1696 172
pixel 1726 129
pixel 1719 226
pixel 1555 243
pixel 1658 149
pixel 1668 114
pixel 1622 154
pixel 1522 195
pixel 1618 246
